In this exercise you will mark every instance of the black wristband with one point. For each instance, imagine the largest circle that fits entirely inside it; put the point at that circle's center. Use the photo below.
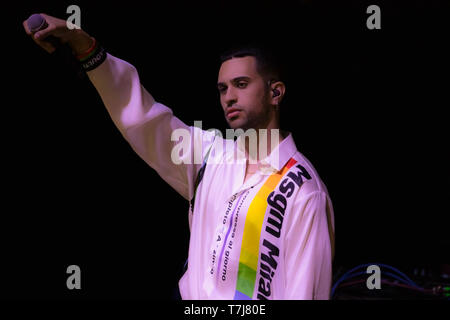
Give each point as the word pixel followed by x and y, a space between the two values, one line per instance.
pixel 94 60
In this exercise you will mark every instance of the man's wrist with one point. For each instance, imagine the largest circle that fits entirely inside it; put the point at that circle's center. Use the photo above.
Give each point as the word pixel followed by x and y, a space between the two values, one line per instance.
pixel 80 42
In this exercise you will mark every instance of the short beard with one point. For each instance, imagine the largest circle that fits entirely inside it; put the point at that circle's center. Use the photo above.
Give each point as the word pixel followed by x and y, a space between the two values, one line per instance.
pixel 261 120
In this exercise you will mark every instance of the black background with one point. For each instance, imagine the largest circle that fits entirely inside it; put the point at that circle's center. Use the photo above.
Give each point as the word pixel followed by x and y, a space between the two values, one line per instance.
pixel 367 107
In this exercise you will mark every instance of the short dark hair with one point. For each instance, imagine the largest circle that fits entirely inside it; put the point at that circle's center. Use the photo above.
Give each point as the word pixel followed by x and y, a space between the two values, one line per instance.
pixel 268 65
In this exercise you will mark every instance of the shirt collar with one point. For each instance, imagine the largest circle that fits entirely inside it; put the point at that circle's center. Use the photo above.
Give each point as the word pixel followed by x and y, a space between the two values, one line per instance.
pixel 285 149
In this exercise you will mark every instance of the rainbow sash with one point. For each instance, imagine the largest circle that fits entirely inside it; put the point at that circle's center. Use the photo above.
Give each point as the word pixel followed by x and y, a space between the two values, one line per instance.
pixel 248 260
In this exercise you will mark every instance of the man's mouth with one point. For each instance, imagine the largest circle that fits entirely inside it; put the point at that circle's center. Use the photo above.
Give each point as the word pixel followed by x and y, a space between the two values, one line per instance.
pixel 232 113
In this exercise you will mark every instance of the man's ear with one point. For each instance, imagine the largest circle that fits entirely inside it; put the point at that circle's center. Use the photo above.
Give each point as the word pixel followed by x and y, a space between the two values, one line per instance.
pixel 277 89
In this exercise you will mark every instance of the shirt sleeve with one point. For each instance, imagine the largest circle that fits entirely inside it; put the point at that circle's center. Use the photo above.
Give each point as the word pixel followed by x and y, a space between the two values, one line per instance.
pixel 309 249
pixel 148 125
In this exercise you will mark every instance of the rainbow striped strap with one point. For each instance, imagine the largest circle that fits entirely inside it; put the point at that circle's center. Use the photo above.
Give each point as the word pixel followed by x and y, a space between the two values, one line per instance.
pixel 248 260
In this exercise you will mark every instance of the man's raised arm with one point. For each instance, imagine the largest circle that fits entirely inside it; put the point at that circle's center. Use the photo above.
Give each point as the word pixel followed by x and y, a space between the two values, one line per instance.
pixel 144 123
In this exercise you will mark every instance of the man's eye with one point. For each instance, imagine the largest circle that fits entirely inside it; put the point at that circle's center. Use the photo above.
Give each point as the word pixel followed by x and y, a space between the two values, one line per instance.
pixel 222 89
pixel 242 85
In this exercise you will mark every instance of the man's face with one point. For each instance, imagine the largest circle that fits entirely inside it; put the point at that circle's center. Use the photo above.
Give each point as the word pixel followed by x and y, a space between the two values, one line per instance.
pixel 243 94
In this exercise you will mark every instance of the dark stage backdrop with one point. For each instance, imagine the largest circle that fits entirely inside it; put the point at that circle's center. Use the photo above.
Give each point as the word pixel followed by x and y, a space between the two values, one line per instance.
pixel 367 107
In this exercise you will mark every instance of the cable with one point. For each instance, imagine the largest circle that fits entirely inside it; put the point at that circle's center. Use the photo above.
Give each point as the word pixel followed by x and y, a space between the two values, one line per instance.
pixel 363 273
pixel 428 291
pixel 349 275
pixel 384 266
pixel 401 273
pixel 345 277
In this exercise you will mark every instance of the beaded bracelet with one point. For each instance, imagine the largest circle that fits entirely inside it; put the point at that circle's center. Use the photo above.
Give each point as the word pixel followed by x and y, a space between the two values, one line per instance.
pixel 85 54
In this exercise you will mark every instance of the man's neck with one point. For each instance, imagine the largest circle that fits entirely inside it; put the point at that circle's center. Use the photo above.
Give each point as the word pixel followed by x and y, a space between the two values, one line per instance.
pixel 267 141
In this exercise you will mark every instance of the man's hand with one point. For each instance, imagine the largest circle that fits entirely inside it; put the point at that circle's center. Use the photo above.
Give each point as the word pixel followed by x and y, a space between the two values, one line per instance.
pixel 78 40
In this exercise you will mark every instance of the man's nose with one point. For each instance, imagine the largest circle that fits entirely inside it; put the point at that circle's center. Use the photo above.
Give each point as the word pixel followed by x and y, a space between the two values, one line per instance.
pixel 230 97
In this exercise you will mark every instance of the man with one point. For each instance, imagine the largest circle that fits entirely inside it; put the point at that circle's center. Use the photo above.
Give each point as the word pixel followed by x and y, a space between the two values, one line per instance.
pixel 261 220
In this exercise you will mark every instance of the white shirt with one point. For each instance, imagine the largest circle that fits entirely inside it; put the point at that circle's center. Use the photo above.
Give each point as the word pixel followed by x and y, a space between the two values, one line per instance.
pixel 271 237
